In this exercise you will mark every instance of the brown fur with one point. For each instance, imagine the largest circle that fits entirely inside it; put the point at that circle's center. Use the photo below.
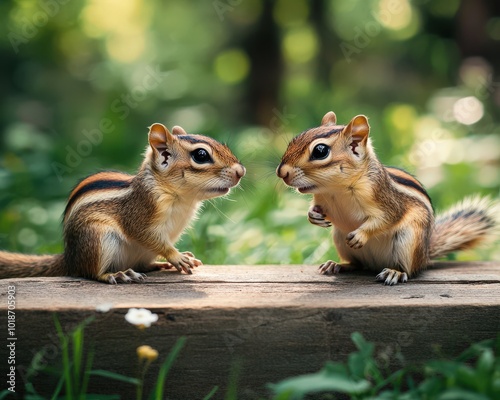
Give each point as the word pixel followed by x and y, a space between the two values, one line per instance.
pixel 382 216
pixel 114 222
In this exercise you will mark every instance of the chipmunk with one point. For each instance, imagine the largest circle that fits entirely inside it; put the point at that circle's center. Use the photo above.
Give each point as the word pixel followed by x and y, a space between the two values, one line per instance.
pixel 382 216
pixel 116 225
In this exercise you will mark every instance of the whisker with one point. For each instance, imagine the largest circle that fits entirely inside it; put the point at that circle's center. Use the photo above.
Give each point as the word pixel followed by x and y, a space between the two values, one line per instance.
pixel 212 202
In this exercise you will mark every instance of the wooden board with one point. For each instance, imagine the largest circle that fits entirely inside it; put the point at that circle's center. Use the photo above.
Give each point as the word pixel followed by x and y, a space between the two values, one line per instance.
pixel 276 321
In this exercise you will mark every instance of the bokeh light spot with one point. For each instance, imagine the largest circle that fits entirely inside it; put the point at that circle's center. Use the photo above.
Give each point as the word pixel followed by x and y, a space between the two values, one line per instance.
pixel 291 13
pixel 125 48
pixel 232 66
pixel 27 237
pixel 300 45
pixel 468 110
pixel 394 14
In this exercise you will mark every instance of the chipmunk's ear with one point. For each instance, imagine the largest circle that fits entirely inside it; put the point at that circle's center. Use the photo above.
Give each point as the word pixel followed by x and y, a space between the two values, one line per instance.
pixel 357 132
pixel 177 130
pixel 160 140
pixel 329 119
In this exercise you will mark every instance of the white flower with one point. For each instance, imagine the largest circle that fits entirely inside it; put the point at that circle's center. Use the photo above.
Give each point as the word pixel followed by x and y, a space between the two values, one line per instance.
pixel 141 317
pixel 104 307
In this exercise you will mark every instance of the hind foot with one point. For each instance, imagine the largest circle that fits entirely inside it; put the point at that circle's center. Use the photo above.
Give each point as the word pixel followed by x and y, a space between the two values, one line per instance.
pixel 392 277
pixel 331 267
pixel 127 276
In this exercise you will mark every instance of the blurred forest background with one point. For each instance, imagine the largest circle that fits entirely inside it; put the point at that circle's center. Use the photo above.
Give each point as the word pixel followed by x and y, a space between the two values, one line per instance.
pixel 81 80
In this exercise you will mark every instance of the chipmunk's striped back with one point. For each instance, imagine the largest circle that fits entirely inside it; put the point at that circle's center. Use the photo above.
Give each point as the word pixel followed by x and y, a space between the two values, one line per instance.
pixel 383 217
pixel 98 187
pixel 406 182
pixel 116 224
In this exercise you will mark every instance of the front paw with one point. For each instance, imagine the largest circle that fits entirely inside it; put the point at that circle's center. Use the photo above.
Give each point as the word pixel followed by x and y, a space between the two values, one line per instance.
pixel 316 217
pixel 184 262
pixel 330 267
pixel 356 239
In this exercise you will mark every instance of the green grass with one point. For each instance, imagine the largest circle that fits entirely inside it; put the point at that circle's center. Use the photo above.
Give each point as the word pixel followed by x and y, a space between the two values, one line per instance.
pixel 473 375
pixel 75 370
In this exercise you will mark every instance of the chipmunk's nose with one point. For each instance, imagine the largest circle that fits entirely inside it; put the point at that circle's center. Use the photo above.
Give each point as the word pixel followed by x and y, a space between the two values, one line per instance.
pixel 239 171
pixel 283 171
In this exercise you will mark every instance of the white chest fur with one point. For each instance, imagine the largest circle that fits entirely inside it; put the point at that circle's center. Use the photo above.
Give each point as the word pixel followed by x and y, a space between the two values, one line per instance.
pixel 173 217
pixel 342 209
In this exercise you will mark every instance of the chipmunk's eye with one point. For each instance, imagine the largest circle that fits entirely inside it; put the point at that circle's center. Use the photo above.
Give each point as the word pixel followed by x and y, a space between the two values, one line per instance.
pixel 320 152
pixel 201 156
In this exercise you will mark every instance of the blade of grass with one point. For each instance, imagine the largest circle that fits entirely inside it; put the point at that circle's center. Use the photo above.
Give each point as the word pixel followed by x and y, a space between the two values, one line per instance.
pixel 86 375
pixel 232 387
pixel 77 344
pixel 114 376
pixel 60 384
pixel 63 339
pixel 394 378
pixel 211 394
pixel 165 368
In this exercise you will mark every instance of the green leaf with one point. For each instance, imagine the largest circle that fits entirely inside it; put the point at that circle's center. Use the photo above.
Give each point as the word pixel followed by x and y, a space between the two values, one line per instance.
pixel 484 370
pixel 460 394
pixel 431 386
pixel 335 368
pixel 442 367
pixel 495 385
pixel 486 362
pixel 362 364
pixel 114 376
pixel 466 376
pixel 366 348
pixel 321 381
pixel 476 349
pixel 357 364
pixel 5 393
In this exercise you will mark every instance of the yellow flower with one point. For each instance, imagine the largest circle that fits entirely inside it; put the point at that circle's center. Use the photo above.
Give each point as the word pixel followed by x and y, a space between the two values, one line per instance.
pixel 147 353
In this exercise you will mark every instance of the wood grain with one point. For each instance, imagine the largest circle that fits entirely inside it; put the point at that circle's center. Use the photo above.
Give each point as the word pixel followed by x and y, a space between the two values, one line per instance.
pixel 276 320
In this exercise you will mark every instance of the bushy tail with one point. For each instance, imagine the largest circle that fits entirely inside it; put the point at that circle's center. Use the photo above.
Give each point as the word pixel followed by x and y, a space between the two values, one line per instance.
pixel 14 265
pixel 468 224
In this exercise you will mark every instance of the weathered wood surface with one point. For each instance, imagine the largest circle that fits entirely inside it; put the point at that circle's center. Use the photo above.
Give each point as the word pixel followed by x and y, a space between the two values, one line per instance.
pixel 277 321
